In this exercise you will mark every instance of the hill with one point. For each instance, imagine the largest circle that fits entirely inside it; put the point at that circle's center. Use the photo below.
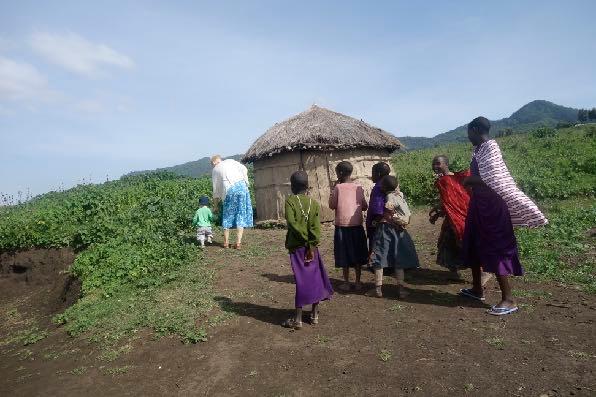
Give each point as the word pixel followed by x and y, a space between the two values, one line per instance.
pixel 191 169
pixel 532 115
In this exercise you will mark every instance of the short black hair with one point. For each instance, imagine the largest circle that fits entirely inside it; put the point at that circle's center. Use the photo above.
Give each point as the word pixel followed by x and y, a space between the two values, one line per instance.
pixel 299 182
pixel 389 183
pixel 344 168
pixel 203 200
pixel 480 125
pixel 442 157
pixel 381 168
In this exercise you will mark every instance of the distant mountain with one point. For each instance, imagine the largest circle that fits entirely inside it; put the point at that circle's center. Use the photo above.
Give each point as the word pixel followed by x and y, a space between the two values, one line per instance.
pixel 192 169
pixel 534 114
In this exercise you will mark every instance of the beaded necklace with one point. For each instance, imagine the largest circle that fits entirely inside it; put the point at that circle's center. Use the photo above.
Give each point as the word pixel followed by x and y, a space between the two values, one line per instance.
pixel 307 215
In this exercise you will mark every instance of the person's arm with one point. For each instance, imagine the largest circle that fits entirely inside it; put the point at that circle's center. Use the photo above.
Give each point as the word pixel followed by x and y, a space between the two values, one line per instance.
pixel 244 171
pixel 314 233
pixel 333 198
pixel 216 179
pixel 473 180
pixel 361 198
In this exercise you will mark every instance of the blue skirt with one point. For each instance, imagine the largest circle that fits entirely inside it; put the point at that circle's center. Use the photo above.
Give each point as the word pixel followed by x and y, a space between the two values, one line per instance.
pixel 393 248
pixel 237 207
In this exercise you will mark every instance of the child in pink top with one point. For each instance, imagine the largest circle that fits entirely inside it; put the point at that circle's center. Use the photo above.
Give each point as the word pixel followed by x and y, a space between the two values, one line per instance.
pixel 348 201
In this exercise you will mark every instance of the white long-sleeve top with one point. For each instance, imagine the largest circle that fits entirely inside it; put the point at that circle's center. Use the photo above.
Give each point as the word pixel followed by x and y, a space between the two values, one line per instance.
pixel 226 174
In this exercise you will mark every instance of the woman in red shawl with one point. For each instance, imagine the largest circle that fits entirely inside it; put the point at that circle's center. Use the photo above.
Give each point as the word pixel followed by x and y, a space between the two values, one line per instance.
pixel 454 207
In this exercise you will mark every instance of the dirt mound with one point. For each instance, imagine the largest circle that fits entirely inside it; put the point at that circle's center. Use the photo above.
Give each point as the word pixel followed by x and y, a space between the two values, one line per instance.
pixel 38 279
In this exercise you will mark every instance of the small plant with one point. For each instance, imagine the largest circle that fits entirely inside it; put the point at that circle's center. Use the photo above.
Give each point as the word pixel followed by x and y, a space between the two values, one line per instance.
pixel 396 307
pixel 118 370
pixel 384 355
pixel 78 371
pixel 496 342
pixel 468 387
pixel 322 339
pixel 32 336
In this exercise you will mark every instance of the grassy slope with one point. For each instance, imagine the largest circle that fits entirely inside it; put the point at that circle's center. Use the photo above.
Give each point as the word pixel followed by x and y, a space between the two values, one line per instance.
pixel 138 264
pixel 558 171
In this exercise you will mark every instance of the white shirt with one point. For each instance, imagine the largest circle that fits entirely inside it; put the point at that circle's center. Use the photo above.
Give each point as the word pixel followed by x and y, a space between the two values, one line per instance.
pixel 226 174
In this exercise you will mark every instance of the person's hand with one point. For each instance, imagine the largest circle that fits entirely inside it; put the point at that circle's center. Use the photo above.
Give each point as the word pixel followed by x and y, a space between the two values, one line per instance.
pixel 466 182
pixel 309 256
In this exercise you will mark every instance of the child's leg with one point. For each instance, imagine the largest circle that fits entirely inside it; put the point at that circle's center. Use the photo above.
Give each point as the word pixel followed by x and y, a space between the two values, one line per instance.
pixel 346 272
pixel 298 317
pixel 226 237
pixel 399 277
pixel 201 238
pixel 358 271
pixel 506 293
pixel 379 282
pixel 209 234
pixel 314 314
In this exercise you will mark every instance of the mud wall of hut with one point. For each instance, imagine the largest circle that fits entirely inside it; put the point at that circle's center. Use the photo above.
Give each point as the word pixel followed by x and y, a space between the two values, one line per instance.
pixel 272 177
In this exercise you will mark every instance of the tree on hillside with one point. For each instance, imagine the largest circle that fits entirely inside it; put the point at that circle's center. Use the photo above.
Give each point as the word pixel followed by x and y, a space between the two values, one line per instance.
pixel 582 115
pixel 592 114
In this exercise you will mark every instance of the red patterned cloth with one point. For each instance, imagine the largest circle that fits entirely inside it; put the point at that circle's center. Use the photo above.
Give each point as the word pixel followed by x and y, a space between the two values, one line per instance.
pixel 455 199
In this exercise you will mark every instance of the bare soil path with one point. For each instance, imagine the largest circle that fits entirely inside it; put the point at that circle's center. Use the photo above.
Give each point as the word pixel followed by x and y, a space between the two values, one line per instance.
pixel 433 343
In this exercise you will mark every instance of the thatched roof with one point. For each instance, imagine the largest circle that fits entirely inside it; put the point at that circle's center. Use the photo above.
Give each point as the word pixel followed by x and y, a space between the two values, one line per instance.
pixel 320 129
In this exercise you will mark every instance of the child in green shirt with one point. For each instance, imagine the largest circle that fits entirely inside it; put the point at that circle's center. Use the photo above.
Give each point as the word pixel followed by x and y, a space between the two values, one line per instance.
pixel 202 221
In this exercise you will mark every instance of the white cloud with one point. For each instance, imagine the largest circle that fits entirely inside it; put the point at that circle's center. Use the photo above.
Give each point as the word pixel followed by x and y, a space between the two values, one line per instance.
pixel 22 81
pixel 77 54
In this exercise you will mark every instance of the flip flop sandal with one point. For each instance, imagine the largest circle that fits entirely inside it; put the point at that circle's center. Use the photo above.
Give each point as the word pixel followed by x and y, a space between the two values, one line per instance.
pixel 469 293
pixel 292 323
pixel 314 320
pixel 502 311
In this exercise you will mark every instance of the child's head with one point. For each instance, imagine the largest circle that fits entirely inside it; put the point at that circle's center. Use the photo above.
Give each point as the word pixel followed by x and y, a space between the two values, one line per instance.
pixel 389 184
pixel 440 164
pixel 380 170
pixel 203 200
pixel 299 182
pixel 343 170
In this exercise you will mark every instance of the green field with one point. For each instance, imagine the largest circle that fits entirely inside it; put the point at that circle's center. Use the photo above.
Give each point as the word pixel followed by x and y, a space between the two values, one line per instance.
pixel 140 267
pixel 138 263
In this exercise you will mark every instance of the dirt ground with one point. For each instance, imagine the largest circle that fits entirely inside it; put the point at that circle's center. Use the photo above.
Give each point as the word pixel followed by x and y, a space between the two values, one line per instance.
pixel 433 343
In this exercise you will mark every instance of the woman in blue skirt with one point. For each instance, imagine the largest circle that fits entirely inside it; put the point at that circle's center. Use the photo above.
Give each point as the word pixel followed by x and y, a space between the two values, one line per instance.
pixel 230 185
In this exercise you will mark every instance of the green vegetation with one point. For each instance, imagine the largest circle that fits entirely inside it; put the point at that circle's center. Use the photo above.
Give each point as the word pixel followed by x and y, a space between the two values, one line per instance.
pixel 138 263
pixel 553 164
pixel 555 167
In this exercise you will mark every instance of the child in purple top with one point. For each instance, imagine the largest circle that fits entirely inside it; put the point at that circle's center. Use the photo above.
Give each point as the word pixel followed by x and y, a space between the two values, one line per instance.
pixel 376 204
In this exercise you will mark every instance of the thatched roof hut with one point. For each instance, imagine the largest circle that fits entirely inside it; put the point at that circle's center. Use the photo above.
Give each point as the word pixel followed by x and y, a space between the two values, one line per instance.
pixel 314 141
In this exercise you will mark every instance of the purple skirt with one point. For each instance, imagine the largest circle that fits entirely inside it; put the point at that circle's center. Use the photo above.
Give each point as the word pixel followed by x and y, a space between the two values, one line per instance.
pixel 489 240
pixel 312 283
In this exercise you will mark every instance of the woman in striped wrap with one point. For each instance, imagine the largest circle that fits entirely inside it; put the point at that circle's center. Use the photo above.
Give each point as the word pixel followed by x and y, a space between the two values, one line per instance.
pixel 496 205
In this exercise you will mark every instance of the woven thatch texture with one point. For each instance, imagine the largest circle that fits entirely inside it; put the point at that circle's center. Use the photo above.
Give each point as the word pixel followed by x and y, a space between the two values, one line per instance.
pixel 320 129
pixel 272 177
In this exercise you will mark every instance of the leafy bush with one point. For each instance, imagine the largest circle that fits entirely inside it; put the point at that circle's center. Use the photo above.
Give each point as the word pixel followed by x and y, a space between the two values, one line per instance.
pixel 556 166
pixel 133 236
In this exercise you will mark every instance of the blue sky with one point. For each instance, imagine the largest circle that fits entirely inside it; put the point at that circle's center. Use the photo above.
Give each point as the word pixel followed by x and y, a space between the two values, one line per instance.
pixel 92 90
